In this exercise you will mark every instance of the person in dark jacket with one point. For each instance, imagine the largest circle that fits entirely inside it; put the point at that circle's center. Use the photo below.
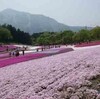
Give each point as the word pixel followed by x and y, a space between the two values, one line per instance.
pixel 17 53
pixel 23 51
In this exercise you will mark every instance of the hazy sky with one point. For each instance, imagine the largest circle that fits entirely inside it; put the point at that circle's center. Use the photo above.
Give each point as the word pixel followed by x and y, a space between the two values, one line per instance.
pixel 69 12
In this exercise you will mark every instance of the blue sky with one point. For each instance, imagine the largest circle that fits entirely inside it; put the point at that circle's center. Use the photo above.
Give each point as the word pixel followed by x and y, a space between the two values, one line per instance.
pixel 69 12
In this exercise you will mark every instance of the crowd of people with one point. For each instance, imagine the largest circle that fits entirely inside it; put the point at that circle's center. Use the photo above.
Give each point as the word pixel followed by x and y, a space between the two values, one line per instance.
pixel 15 52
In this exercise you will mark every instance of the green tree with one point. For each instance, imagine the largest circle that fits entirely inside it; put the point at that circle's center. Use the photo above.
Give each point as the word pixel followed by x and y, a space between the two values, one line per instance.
pixel 82 36
pixel 76 38
pixel 44 39
pixel 5 35
pixel 18 35
pixel 95 33
pixel 57 38
pixel 67 37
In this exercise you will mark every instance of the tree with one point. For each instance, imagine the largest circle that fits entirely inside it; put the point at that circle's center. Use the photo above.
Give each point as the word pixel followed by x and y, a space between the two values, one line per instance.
pixel 5 35
pixel 95 33
pixel 44 39
pixel 18 35
pixel 34 37
pixel 82 36
pixel 67 37
pixel 76 38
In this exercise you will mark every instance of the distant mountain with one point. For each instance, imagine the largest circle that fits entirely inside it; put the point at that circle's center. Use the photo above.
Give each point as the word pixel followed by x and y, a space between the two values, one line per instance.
pixel 32 23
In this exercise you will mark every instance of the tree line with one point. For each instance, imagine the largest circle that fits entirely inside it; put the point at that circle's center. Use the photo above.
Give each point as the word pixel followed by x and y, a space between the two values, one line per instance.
pixel 68 37
pixel 9 34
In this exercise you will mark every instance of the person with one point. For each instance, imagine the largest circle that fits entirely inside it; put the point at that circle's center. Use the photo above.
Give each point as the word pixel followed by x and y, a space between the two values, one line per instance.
pixel 10 53
pixel 14 53
pixel 7 48
pixel 23 51
pixel 26 48
pixel 17 53
pixel 37 49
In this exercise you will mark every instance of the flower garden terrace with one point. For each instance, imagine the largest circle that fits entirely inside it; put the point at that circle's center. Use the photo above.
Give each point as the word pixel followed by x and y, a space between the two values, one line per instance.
pixel 37 52
pixel 92 43
pixel 73 75
pixel 5 48
pixel 6 60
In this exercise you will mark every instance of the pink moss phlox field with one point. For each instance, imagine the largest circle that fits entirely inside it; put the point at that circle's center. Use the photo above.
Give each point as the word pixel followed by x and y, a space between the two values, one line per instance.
pixel 44 77
pixel 12 60
pixel 88 44
pixel 4 47
pixel 18 59
pixel 5 55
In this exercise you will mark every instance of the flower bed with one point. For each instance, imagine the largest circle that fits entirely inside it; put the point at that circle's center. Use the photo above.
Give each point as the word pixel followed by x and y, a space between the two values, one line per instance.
pixel 11 46
pixel 13 60
pixel 2 49
pixel 62 76
pixel 6 47
pixel 18 59
pixel 88 44
pixel 5 55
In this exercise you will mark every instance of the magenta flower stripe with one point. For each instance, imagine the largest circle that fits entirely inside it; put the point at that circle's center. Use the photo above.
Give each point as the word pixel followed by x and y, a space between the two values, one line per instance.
pixel 6 60
pixel 88 44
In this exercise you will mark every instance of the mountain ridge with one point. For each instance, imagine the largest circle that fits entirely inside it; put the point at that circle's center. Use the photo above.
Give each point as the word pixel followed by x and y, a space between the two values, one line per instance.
pixel 32 23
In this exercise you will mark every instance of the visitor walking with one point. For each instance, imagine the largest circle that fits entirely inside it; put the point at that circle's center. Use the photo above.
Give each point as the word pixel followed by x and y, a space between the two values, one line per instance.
pixel 17 53
pixel 23 51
